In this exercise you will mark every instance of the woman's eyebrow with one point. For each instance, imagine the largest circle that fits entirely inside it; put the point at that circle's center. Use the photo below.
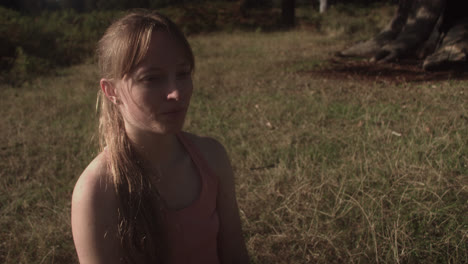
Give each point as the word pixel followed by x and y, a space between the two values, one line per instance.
pixel 149 69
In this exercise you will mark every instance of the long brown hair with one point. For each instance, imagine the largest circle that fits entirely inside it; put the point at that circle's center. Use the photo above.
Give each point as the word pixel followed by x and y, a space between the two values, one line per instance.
pixel 120 50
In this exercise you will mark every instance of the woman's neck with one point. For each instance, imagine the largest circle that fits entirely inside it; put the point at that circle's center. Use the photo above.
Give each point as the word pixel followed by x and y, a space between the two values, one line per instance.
pixel 157 149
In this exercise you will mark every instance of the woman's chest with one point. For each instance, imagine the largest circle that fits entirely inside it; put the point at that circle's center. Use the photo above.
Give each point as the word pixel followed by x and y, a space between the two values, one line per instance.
pixel 179 186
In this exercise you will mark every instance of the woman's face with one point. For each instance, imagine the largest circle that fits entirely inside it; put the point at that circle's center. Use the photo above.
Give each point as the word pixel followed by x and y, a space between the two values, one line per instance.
pixel 156 95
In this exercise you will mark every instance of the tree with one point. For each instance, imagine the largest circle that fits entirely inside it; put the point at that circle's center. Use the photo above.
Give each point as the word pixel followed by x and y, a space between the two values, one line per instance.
pixel 27 6
pixel 288 12
pixel 433 30
pixel 246 4
pixel 287 9
pixel 77 5
pixel 323 6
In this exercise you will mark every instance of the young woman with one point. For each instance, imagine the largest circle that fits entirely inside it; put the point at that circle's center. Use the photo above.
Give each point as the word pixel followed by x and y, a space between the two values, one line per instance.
pixel 154 194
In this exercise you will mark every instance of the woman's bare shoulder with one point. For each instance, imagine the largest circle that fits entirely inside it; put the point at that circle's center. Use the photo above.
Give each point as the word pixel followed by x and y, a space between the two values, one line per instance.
pixel 95 215
pixel 95 180
pixel 211 149
pixel 216 156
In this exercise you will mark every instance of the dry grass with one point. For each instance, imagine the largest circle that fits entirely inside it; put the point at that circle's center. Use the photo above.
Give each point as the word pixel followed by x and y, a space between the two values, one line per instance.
pixel 328 170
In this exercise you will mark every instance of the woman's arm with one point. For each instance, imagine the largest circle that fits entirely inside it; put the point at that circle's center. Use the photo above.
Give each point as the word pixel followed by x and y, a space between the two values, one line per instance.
pixel 94 216
pixel 231 244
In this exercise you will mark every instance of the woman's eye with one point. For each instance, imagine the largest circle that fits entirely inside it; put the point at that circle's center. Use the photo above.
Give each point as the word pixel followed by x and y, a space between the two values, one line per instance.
pixel 152 78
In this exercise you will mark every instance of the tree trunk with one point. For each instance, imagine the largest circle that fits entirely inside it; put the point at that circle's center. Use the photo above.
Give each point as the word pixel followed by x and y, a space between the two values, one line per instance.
pixel 323 6
pixel 288 12
pixel 419 28
pixel 453 51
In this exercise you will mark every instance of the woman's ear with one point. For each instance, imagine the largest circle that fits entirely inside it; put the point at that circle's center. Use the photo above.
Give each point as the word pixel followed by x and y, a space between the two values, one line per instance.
pixel 108 88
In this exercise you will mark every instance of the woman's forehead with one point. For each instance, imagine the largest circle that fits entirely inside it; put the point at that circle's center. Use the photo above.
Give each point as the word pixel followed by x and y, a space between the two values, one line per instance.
pixel 164 49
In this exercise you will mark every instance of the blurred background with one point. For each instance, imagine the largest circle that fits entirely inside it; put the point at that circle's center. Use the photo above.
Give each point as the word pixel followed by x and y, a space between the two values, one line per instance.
pixel 38 35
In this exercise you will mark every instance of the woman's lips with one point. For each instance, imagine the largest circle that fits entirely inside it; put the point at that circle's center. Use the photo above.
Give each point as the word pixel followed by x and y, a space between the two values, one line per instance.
pixel 174 113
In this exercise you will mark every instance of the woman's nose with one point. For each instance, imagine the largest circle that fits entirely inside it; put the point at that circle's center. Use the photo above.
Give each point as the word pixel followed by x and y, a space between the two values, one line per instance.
pixel 173 95
pixel 173 92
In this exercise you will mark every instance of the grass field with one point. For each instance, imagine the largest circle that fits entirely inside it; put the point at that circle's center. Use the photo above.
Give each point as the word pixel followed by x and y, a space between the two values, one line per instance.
pixel 328 170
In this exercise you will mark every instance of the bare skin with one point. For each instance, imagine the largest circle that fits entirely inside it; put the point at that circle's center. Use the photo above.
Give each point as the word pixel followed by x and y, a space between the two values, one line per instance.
pixel 153 101
pixel 94 207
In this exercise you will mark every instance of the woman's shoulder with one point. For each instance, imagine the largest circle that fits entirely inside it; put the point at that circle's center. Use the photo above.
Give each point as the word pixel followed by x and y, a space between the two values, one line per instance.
pixel 94 196
pixel 214 153
pixel 95 180
pixel 95 214
pixel 210 148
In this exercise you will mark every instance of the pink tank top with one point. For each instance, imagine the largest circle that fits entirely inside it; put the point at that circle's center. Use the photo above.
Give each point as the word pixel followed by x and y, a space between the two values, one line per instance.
pixel 193 231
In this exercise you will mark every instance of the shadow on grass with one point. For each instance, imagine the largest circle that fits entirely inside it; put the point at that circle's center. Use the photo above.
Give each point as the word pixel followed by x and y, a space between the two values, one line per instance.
pixel 395 73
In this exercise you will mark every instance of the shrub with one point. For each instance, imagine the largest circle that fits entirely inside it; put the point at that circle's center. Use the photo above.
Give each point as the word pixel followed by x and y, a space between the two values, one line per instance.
pixel 36 45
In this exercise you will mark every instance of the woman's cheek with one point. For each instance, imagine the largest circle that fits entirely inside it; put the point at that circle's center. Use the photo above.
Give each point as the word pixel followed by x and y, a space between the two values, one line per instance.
pixel 149 95
pixel 187 87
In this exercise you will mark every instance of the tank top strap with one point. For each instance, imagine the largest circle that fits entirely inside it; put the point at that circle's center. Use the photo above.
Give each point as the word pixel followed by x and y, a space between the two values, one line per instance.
pixel 196 156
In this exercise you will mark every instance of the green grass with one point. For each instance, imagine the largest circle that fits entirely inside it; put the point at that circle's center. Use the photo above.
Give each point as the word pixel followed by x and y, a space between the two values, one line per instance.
pixel 327 170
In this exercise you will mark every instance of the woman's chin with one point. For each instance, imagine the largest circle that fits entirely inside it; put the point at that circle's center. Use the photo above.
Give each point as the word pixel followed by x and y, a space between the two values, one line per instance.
pixel 167 129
